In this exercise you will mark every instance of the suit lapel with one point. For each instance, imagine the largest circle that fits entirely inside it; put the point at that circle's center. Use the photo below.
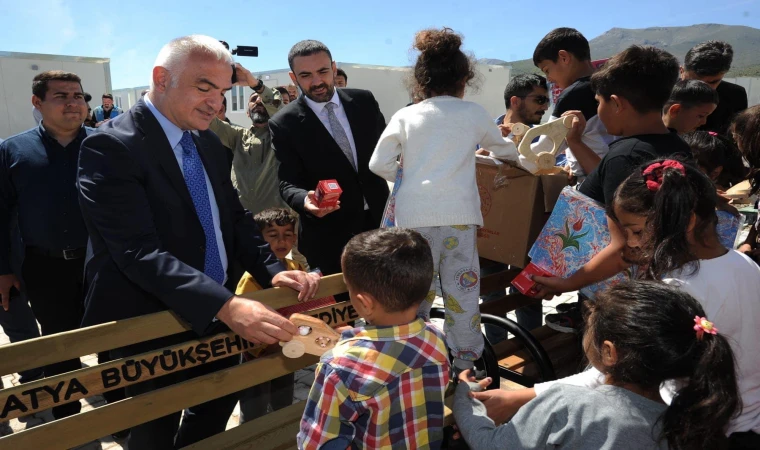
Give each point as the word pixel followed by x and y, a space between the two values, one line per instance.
pixel 158 145
pixel 353 114
pixel 317 129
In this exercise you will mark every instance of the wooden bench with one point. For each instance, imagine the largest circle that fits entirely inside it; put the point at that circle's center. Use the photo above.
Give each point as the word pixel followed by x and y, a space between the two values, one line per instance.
pixel 273 431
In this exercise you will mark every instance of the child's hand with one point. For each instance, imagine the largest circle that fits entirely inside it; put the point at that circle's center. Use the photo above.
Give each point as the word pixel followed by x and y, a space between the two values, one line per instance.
pixel 503 405
pixel 310 204
pixel 579 126
pixel 548 287
pixel 343 328
pixel 466 376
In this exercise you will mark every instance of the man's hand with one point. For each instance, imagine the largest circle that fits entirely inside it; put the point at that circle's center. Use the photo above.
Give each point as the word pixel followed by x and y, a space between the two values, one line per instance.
pixel 6 282
pixel 505 128
pixel 579 126
pixel 305 283
pixel 245 77
pixel 310 205
pixel 548 287
pixel 503 405
pixel 256 322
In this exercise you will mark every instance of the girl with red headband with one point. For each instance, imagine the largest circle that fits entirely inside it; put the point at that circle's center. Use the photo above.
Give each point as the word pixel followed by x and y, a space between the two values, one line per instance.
pixel 664 218
pixel 638 335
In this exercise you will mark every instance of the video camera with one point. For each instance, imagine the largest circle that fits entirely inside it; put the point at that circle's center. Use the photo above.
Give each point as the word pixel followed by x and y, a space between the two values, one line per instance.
pixel 242 50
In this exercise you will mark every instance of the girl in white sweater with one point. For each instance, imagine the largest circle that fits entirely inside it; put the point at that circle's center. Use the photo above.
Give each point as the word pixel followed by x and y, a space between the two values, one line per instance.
pixel 438 197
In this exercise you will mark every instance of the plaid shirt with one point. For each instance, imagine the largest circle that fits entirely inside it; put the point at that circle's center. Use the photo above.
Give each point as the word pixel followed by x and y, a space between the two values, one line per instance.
pixel 380 387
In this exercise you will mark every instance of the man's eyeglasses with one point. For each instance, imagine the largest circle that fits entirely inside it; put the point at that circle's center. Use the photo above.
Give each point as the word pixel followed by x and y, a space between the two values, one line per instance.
pixel 540 99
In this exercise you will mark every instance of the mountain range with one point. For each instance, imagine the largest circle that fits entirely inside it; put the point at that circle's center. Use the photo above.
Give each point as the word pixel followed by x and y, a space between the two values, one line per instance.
pixel 676 40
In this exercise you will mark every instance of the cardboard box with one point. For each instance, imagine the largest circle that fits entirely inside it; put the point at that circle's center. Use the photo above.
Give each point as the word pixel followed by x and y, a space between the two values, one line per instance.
pixel 327 194
pixel 515 205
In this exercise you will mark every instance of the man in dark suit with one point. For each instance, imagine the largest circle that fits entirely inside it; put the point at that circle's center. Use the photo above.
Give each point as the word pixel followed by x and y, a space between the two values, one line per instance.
pixel 167 230
pixel 327 134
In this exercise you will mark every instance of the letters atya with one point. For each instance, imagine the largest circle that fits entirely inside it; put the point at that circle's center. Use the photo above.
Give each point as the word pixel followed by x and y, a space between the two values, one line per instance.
pixel 134 369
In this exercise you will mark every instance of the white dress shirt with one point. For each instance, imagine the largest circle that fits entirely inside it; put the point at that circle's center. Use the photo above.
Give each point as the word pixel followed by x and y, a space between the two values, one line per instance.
pixel 174 135
pixel 321 112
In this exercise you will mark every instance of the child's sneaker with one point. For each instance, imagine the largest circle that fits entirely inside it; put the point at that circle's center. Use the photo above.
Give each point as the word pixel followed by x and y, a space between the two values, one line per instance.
pixel 570 321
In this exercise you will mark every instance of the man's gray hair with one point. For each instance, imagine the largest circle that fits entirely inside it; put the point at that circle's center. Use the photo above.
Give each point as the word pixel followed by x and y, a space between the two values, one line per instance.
pixel 175 55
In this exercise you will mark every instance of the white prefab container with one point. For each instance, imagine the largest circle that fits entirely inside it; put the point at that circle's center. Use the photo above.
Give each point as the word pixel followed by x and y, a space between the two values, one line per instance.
pixel 17 71
pixel 388 84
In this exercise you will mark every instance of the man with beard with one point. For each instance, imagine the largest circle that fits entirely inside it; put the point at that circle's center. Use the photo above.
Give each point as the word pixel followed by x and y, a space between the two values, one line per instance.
pixel 106 111
pixel 527 99
pixel 254 166
pixel 326 134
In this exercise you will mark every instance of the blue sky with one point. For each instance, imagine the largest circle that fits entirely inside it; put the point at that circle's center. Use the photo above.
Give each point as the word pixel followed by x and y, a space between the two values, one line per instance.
pixel 377 32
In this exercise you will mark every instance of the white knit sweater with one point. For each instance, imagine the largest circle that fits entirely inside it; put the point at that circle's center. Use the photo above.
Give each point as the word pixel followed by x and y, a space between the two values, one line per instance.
pixel 437 140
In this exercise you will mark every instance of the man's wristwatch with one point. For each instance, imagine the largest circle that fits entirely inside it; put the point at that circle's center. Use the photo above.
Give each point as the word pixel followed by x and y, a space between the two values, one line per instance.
pixel 259 86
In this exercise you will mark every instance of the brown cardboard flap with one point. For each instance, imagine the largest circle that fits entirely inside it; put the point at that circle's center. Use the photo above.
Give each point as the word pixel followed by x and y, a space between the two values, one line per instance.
pixel 552 186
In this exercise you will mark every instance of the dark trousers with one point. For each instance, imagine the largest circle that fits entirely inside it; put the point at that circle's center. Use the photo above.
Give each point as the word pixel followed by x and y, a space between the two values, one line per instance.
pixel 200 421
pixel 746 440
pixel 256 400
pixel 55 290
pixel 19 324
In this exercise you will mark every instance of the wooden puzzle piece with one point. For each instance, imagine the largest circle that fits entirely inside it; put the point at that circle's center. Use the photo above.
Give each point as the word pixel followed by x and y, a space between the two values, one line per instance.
pixel 555 130
pixel 314 337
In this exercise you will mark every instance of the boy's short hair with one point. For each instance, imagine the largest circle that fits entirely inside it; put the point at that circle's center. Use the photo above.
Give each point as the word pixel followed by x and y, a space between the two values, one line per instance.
pixel 643 75
pixel 709 58
pixel 567 39
pixel 691 93
pixel 394 265
pixel 275 216
pixel 522 85
pixel 341 73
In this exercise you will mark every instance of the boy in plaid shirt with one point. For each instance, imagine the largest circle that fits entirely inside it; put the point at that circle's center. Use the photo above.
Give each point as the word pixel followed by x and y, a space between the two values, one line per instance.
pixel 382 386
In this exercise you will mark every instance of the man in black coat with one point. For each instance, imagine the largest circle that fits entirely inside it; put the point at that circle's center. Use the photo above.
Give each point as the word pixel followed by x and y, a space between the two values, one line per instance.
pixel 328 134
pixel 167 230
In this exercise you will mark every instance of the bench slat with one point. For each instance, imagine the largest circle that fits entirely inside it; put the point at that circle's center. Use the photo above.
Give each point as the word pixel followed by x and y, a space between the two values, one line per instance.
pixel 275 431
pixel 85 427
pixel 85 341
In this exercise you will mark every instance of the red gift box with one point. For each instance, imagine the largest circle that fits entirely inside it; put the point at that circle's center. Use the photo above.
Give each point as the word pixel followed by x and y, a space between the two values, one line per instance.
pixel 525 284
pixel 327 194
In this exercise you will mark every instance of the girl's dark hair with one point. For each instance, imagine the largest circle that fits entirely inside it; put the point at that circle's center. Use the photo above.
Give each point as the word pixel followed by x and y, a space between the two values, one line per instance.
pixel 652 327
pixel 746 131
pixel 712 150
pixel 441 66
pixel 668 211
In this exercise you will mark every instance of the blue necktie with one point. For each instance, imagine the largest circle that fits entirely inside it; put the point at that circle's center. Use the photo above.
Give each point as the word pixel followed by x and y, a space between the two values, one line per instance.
pixel 195 178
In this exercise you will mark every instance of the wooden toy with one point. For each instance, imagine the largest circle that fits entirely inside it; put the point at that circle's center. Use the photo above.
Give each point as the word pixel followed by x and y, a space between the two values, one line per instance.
pixel 739 191
pixel 314 337
pixel 555 130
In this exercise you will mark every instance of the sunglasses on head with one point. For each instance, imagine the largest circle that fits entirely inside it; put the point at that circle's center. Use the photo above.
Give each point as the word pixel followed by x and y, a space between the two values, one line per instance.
pixel 540 99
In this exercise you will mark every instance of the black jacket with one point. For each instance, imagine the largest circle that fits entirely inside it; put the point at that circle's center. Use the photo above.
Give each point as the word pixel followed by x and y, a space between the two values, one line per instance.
pixel 308 154
pixel 147 246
